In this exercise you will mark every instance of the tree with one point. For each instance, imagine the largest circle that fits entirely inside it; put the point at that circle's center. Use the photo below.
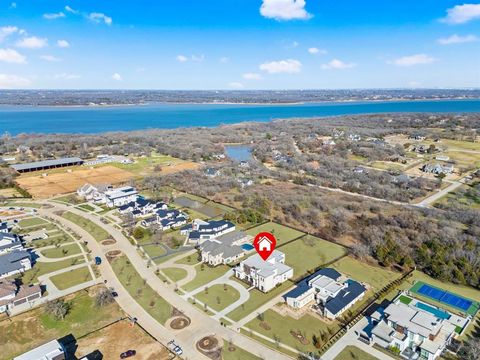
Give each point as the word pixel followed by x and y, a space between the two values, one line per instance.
pixel 104 297
pixel 58 309
pixel 470 349
pixel 138 233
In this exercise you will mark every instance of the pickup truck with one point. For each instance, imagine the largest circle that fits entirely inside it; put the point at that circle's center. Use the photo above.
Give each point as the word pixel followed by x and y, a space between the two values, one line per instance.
pixel 177 350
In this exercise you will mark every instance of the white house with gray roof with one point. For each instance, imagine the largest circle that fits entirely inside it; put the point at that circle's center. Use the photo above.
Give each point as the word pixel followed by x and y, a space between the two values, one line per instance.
pixel 264 275
pixel 224 249
pixel 52 350
pixel 14 262
pixel 9 242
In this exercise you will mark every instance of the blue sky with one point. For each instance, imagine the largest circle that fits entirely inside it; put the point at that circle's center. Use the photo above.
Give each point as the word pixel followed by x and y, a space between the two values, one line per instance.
pixel 239 44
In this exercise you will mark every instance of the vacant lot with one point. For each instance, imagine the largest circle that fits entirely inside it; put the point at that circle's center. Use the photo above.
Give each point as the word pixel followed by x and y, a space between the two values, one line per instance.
pixel 61 251
pixel 206 275
pixel 175 274
pixel 31 222
pixel 66 182
pixel 282 233
pixel 71 278
pixel 96 231
pixel 42 268
pixel 33 328
pixel 218 297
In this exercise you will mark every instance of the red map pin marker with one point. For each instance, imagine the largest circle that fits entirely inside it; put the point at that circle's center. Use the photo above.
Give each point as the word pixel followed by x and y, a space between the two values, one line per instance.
pixel 264 244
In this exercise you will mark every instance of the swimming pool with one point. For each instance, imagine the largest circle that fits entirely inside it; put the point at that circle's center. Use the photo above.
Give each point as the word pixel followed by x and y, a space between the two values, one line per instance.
pixel 437 312
pixel 247 247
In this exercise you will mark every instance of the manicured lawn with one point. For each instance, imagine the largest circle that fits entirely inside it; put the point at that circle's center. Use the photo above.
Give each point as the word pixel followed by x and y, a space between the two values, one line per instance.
pixel 62 251
pixel 86 207
pixel 205 276
pixel 154 250
pixel 56 239
pixel 70 199
pixel 218 298
pixel 71 278
pixel 237 354
pixel 281 233
pixel 31 222
pixel 375 276
pixel 96 231
pixel 33 328
pixel 310 252
pixel 192 259
pixel 257 299
pixel 23 204
pixel 42 268
pixel 175 274
pixel 281 326
pixel 150 300
pixel 353 353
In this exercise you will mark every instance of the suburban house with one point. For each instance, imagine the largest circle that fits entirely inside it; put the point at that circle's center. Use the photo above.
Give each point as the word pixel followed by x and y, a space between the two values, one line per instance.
pixel 264 275
pixel 9 242
pixel 199 231
pixel 120 196
pixel 211 172
pixel 172 223
pixel 14 262
pixel 224 249
pixel 438 168
pixel 245 182
pixel 4 227
pixel 417 137
pixel 325 289
pixel 12 295
pixel 415 327
pixel 142 207
pixel 93 192
pixel 52 350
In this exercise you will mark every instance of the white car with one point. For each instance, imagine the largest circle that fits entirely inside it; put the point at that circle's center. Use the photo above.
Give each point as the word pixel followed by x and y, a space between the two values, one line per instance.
pixel 175 348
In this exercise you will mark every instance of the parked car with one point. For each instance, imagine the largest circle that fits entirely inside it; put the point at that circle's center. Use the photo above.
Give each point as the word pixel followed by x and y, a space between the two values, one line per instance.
pixel 98 260
pixel 127 354
pixel 114 294
pixel 177 350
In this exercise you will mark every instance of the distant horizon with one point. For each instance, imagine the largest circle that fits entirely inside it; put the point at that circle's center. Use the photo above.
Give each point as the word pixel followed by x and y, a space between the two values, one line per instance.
pixel 250 90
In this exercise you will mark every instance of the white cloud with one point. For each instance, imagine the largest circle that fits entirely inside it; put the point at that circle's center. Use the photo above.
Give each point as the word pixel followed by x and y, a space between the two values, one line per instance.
pixel 32 42
pixel 284 9
pixel 13 81
pixel 252 76
pixel 6 31
pixel 70 10
pixel 461 14
pixel 54 16
pixel 289 66
pixel 181 58
pixel 236 85
pixel 12 56
pixel 117 77
pixel 65 76
pixel 314 51
pixel 224 60
pixel 417 59
pixel 199 58
pixel 50 58
pixel 13 5
pixel 63 43
pixel 100 17
pixel 337 64
pixel 457 39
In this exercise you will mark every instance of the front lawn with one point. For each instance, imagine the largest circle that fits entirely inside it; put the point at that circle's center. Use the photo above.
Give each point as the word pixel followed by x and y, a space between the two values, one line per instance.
pixel 96 231
pixel 218 297
pixel 192 259
pixel 154 250
pixel 282 233
pixel 61 251
pixel 42 268
pixel 353 353
pixel 206 275
pixel 71 278
pixel 175 274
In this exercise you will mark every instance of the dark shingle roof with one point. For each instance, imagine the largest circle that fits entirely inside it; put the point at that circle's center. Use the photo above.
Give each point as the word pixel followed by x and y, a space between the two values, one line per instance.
pixel 345 297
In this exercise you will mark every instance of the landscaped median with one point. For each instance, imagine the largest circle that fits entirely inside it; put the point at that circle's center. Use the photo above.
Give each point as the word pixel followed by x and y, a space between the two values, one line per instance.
pixel 138 288
pixel 93 229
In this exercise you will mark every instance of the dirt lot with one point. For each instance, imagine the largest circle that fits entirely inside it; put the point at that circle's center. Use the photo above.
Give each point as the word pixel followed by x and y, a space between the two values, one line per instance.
pixel 120 337
pixel 179 167
pixel 66 182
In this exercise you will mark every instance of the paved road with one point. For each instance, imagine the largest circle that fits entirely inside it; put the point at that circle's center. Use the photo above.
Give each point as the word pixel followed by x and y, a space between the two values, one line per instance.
pixel 431 199
pixel 201 325
pixel 191 273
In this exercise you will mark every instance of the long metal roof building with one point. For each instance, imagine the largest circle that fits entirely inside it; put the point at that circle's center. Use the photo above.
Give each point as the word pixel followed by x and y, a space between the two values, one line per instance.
pixel 47 164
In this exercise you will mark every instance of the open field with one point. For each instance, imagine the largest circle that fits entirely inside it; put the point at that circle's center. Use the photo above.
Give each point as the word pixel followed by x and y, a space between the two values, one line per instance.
pixel 309 252
pixel 154 250
pixel 155 305
pixel 206 275
pixel 33 328
pixel 96 231
pixel 353 353
pixel 42 268
pixel 71 278
pixel 66 182
pixel 31 222
pixel 10 192
pixel 376 277
pixel 218 297
pixel 464 160
pixel 61 251
pixel 282 233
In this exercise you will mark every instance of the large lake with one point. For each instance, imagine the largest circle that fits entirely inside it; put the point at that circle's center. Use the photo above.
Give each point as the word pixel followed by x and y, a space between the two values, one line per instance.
pixel 21 119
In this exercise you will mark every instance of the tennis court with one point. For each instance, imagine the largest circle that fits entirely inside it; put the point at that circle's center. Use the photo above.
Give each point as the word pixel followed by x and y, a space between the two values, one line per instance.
pixel 445 297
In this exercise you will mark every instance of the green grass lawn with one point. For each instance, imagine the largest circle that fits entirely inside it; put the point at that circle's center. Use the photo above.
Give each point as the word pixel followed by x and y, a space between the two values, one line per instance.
pixel 237 354
pixel 192 259
pixel 281 326
pixel 86 207
pixel 204 277
pixel 72 199
pixel 218 298
pixel 154 250
pixel 71 278
pixel 62 251
pixel 57 239
pixel 31 222
pixel 175 274
pixel 150 300
pixel 96 231
pixel 144 165
pixel 281 233
pixel 375 276
pixel 257 299
pixel 353 353
pixel 23 204
pixel 35 327
pixel 42 268
pixel 309 252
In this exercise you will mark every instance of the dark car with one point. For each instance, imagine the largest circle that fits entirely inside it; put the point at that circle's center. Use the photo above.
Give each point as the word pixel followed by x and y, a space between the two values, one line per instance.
pixel 114 294
pixel 128 354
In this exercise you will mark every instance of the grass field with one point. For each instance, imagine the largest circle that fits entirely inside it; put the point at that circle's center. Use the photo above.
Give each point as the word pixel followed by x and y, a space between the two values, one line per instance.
pixel 42 268
pixel 237 354
pixel 33 328
pixel 61 251
pixel 218 297
pixel 257 299
pixel 189 260
pixel 154 250
pixel 31 222
pixel 71 278
pixel 282 326
pixel 86 207
pixel 310 252
pixel 23 204
pixel 96 231
pixel 204 277
pixel 70 199
pixel 375 276
pixel 282 233
pixel 153 303
pixel 56 239
pixel 353 353
pixel 175 274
